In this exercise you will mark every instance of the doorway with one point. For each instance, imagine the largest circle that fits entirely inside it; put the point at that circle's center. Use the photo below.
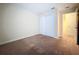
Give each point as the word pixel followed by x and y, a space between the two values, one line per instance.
pixel 70 27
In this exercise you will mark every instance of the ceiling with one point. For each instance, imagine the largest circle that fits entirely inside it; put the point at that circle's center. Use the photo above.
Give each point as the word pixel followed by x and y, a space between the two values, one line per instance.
pixel 44 7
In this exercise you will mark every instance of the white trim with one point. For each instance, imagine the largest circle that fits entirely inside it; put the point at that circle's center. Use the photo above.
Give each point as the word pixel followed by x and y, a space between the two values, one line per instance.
pixel 57 37
pixel 8 41
pixel 19 39
pixel 5 42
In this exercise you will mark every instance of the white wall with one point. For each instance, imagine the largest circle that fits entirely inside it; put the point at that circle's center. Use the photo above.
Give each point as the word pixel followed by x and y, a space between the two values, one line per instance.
pixel 17 23
pixel 60 20
pixel 70 24
pixel 60 23
pixel 49 24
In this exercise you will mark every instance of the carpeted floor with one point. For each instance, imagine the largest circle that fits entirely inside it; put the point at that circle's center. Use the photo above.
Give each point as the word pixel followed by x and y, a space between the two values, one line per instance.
pixel 40 45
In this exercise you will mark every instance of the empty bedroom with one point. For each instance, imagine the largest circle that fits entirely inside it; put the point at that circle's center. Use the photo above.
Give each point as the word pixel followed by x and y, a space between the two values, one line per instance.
pixel 39 28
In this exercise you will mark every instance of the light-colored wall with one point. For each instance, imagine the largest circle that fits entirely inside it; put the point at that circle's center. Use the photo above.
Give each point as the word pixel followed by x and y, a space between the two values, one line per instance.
pixel 49 24
pixel 60 23
pixel 17 23
pixel 60 20
pixel 70 24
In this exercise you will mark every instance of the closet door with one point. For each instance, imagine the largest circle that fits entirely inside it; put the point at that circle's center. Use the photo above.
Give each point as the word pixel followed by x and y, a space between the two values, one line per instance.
pixel 48 25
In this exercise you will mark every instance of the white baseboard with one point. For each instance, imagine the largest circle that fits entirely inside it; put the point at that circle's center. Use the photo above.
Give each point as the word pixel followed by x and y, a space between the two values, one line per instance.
pixel 5 42
pixel 56 37
pixel 19 39
pixel 8 41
